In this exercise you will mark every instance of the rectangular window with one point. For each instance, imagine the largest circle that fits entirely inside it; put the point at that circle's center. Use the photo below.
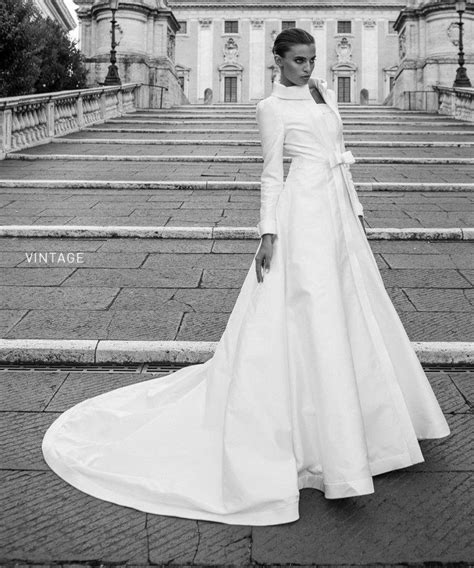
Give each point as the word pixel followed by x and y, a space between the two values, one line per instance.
pixel 231 26
pixel 184 27
pixel 230 89
pixel 343 89
pixel 286 24
pixel 392 82
pixel 390 27
pixel 344 27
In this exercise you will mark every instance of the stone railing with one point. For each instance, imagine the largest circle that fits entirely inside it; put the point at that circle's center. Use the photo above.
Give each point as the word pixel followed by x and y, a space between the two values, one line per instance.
pixel 36 119
pixel 456 102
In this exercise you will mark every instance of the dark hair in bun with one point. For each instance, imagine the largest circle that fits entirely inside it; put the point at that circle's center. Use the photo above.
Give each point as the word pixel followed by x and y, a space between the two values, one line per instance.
pixel 289 37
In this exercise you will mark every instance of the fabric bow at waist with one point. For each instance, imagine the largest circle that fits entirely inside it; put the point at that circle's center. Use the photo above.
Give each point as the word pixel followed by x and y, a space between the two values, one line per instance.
pixel 339 158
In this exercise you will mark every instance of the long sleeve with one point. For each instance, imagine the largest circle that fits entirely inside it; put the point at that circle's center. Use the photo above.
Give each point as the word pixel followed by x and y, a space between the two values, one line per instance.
pixel 272 134
pixel 352 189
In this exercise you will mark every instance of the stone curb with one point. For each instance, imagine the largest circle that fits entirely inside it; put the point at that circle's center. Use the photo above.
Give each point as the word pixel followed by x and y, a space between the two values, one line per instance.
pixel 54 351
pixel 226 142
pixel 232 123
pixel 255 131
pixel 192 185
pixel 247 114
pixel 225 159
pixel 208 232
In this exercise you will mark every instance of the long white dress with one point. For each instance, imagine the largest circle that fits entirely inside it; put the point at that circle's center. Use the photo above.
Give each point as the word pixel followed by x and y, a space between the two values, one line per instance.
pixel 314 382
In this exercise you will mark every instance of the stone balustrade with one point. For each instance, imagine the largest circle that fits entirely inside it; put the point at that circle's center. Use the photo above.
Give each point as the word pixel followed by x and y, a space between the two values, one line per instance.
pixel 35 119
pixel 456 102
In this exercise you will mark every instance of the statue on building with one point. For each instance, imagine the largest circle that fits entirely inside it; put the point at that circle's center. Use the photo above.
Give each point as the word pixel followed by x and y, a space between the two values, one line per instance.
pixel 344 51
pixel 231 51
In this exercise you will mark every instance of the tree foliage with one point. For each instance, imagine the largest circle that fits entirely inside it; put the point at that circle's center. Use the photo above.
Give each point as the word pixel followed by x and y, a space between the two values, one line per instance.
pixel 36 54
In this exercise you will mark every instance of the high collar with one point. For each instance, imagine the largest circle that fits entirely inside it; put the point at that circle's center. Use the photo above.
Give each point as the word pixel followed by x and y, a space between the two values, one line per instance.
pixel 292 92
pixel 298 91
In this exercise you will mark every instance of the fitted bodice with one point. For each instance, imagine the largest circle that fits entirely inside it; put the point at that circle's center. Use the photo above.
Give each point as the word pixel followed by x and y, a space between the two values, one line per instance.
pixel 311 130
pixel 292 124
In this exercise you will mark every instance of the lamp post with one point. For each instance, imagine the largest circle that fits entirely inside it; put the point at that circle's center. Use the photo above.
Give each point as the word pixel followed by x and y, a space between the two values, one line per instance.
pixel 113 74
pixel 462 80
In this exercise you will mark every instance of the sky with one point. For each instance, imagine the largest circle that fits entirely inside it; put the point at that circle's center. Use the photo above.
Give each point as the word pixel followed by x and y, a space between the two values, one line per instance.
pixel 72 8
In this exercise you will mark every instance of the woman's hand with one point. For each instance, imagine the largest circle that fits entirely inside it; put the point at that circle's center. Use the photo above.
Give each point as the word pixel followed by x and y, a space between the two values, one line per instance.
pixel 264 255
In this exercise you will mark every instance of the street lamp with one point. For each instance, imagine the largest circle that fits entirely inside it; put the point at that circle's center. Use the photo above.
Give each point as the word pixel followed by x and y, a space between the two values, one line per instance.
pixel 113 74
pixel 462 80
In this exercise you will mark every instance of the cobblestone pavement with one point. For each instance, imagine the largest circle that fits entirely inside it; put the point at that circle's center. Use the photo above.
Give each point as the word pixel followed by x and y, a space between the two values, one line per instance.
pixel 216 207
pixel 181 289
pixel 417 516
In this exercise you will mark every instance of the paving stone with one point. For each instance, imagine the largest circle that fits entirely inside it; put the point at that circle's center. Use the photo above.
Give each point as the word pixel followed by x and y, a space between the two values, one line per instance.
pixel 223 278
pixel 425 278
pixel 190 261
pixel 454 452
pixel 438 326
pixel 400 300
pixel 468 274
pixel 28 390
pixel 9 318
pixel 419 260
pixel 33 276
pixel 192 300
pixel 176 540
pixel 164 278
pixel 465 385
pixel 49 244
pixel 411 517
pixel 159 245
pixel 42 298
pixel 47 520
pixel 79 324
pixel 439 300
pixel 79 386
pixel 20 440
pixel 448 396
pixel 210 325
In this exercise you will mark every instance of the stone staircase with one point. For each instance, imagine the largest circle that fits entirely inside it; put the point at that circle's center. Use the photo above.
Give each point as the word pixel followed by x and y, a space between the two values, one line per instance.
pixel 163 206
pixel 144 262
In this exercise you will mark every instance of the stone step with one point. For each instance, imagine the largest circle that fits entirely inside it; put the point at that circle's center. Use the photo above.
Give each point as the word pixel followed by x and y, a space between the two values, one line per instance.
pixel 251 108
pixel 103 351
pixel 230 208
pixel 143 171
pixel 255 142
pixel 389 159
pixel 244 121
pixel 250 115
pixel 457 130
pixel 458 234
pixel 192 185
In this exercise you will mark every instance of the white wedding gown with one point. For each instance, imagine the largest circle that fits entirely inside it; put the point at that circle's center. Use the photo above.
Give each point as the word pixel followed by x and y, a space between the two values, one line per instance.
pixel 314 382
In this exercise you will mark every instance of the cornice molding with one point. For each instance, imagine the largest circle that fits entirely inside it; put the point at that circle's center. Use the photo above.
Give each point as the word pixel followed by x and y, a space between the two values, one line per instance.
pixel 282 5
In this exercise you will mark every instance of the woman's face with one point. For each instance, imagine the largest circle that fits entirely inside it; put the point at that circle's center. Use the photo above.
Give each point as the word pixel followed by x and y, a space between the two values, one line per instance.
pixel 297 64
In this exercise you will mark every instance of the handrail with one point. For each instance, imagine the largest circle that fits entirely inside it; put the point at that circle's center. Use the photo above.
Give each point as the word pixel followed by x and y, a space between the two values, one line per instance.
pixel 157 87
pixel 29 120
pixel 6 102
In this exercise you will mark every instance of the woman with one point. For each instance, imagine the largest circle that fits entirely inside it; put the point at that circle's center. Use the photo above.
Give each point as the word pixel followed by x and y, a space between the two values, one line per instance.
pixel 314 382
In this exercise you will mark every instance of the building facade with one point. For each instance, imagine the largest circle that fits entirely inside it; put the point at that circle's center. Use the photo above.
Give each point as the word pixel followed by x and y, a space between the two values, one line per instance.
pixel 223 48
pixel 57 11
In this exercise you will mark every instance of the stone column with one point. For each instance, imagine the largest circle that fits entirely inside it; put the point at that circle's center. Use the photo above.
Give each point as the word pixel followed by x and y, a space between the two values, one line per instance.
pixel 205 58
pixel 257 60
pixel 370 63
pixel 320 38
